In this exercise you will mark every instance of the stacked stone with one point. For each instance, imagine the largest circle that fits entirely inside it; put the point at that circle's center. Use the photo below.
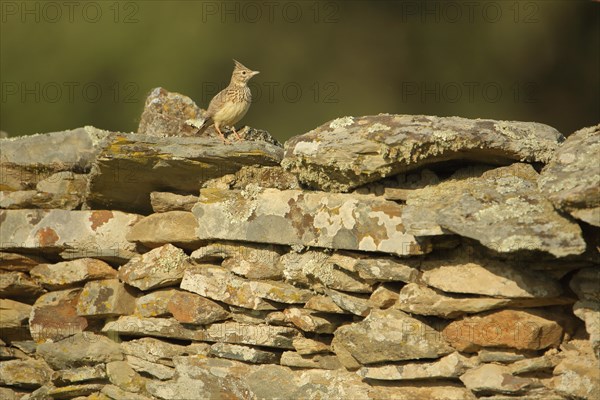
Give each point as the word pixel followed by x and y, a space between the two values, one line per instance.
pixel 388 256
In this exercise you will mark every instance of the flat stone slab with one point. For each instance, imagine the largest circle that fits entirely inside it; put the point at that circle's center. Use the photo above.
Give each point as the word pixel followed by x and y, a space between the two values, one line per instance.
pixel 131 166
pixel 348 152
pixel 502 209
pixel 295 217
pixel 72 234
pixel 571 179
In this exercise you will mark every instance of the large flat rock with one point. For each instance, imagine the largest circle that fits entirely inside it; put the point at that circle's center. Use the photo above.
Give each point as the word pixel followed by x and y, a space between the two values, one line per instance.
pixel 131 166
pixel 501 208
pixel 351 151
pixel 72 234
pixel 572 178
pixel 295 217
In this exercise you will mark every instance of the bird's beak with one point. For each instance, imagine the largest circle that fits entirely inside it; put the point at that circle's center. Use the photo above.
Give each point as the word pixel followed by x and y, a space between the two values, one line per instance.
pixel 254 73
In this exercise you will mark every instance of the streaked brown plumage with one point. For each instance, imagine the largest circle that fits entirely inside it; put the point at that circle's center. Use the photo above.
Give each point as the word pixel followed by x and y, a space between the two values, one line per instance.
pixel 231 104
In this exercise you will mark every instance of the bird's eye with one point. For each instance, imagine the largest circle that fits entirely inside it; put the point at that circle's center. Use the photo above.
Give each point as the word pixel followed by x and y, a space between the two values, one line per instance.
pixel 243 72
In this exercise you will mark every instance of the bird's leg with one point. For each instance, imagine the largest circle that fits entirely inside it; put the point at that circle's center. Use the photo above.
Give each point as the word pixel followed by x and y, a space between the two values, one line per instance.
pixel 237 135
pixel 221 134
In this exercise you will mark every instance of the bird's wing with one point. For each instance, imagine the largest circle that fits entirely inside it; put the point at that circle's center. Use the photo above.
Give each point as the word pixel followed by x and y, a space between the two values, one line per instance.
pixel 216 103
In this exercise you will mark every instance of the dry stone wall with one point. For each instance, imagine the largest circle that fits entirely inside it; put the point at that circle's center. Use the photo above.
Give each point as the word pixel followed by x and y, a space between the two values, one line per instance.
pixel 377 257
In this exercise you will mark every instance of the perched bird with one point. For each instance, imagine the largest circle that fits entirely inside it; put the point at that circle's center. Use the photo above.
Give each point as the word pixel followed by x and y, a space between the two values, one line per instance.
pixel 231 104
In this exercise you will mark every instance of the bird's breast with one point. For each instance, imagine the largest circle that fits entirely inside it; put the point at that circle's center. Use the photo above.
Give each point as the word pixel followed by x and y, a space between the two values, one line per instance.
pixel 231 112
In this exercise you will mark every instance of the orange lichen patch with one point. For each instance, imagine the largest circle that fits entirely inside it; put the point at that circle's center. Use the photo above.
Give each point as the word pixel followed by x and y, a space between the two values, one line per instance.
pixel 99 218
pixel 47 237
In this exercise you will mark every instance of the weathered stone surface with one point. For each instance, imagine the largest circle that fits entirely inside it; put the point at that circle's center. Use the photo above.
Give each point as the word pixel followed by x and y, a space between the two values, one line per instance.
pixel 81 374
pixel 122 375
pixel 228 332
pixel 24 373
pixel 190 308
pixel 422 300
pixel 165 114
pixel 384 297
pixel 350 151
pixel 295 217
pixel 165 201
pixel 518 329
pixel 131 166
pixel 424 391
pixel 75 391
pixel 320 361
pixel 266 177
pixel 307 346
pixel 451 366
pixel 246 259
pixel 295 265
pixel 14 318
pixel 105 298
pixel 19 262
pixel 27 160
pixel 535 364
pixel 571 179
pixel 244 353
pixel 493 378
pixel 158 371
pixel 589 312
pixel 586 284
pixel 73 234
pixel 116 393
pixel 154 350
pixel 219 284
pixel 18 285
pixel 154 304
pixel 155 230
pixel 577 375
pixel 84 348
pixel 9 394
pixel 457 273
pixel 502 355
pixel 324 304
pixel 379 269
pixel 353 303
pixel 54 316
pixel 157 268
pixel 505 198
pixel 312 321
pixel 377 338
pixel 67 273
pixel 63 189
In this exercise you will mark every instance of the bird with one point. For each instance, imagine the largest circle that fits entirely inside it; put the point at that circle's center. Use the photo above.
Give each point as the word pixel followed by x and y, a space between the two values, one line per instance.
pixel 231 104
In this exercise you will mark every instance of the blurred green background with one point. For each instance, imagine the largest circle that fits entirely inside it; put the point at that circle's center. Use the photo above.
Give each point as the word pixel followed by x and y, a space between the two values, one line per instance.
pixel 69 64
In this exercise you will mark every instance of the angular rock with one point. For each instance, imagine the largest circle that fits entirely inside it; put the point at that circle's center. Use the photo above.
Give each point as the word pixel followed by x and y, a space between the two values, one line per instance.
pixel 122 375
pixel 14 318
pixel 81 374
pixel 73 234
pixel 505 198
pixel 353 303
pixel 105 298
pixel 324 304
pixel 379 269
pixel 424 391
pixel 311 321
pixel 84 348
pixel 67 273
pixel 266 177
pixel 333 277
pixel 586 284
pixel 190 308
pixel 320 361
pixel 589 312
pixel 153 350
pixel 219 284
pixel 504 356
pixel 18 285
pixel 577 375
pixel 517 329
pixel 131 166
pixel 456 273
pixel 451 366
pixel 348 152
pixel 492 378
pixel 154 304
pixel 165 201
pixel 75 391
pixel 158 371
pixel 244 353
pixel 24 373
pixel 160 267
pixel 116 393
pixel 295 217
pixel 307 346
pixel 65 190
pixel 246 315
pixel 165 114
pixel 246 259
pixel 295 265
pixel 383 297
pixel 156 230
pixel 54 316
pixel 19 262
pixel 376 338
pixel 46 154
pixel 571 179
pixel 228 332
pixel 422 300
pixel 547 362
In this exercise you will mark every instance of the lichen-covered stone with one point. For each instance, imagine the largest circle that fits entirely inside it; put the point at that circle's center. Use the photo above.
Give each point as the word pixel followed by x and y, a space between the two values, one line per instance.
pixel 154 304
pixel 377 338
pixel 189 308
pixel 176 227
pixel 294 217
pixel 84 348
pixel 158 371
pixel 353 303
pixel 68 273
pixel 244 353
pixel 320 361
pixel 492 378
pixel 154 350
pixel 73 234
pixel 311 321
pixel 160 267
pixel 165 114
pixel 351 151
pixel 28 373
pixel 381 269
pixel 54 316
pixel 165 201
pixel 501 209
pixel 571 179
pixel 18 285
pixel 105 298
pixel 19 262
